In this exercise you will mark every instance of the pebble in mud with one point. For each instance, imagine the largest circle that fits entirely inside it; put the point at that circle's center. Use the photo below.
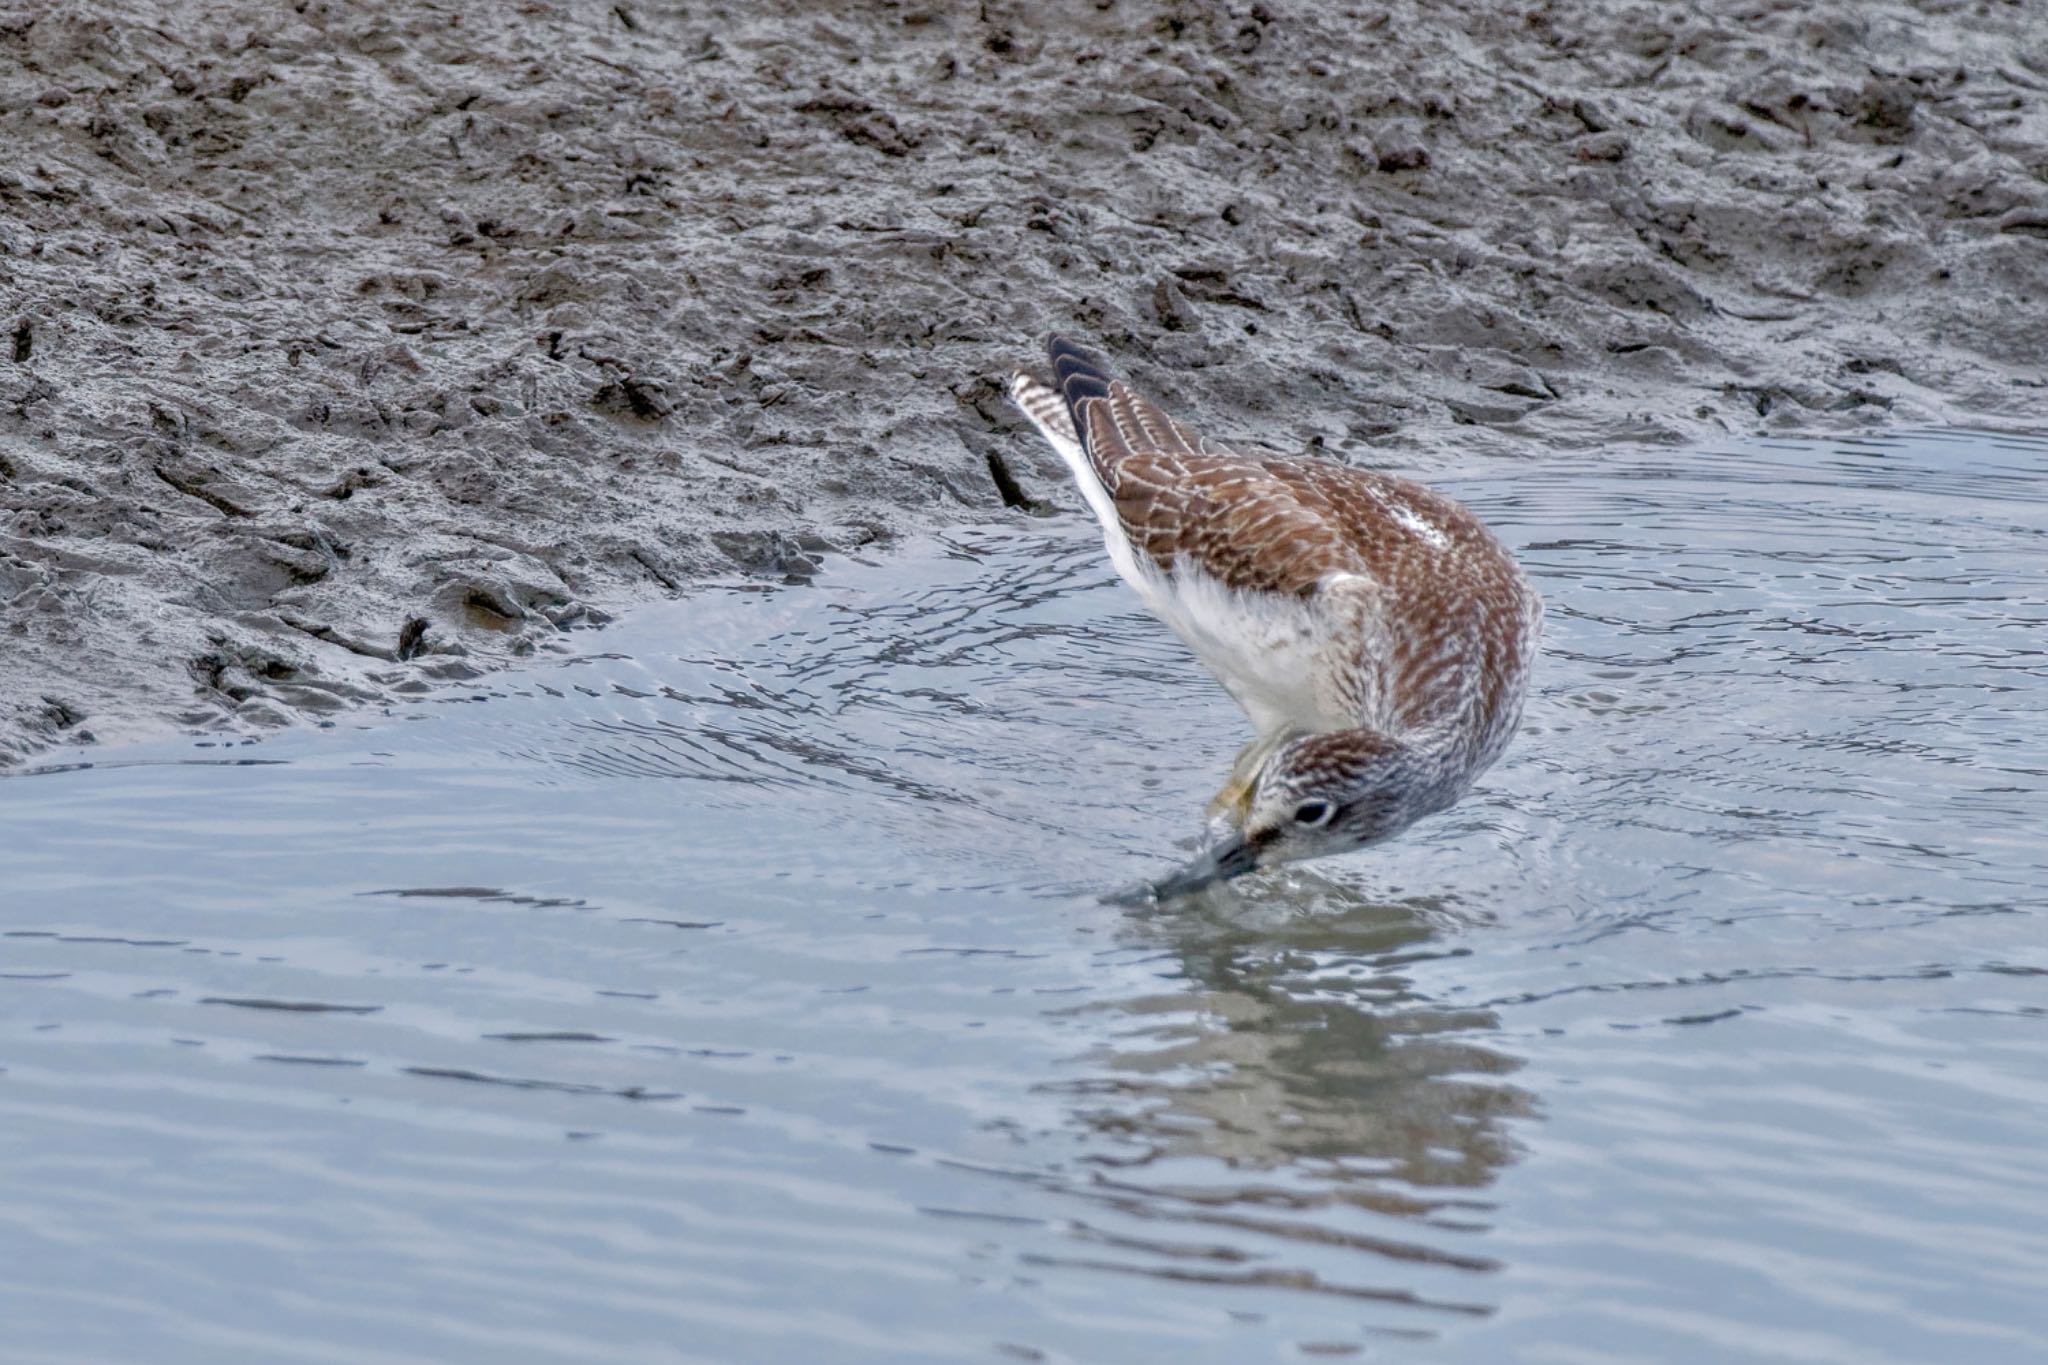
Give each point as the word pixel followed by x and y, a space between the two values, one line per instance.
pixel 601 301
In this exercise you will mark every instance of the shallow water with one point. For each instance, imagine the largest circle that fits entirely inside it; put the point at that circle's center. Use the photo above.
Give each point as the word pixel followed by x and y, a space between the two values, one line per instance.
pixel 741 992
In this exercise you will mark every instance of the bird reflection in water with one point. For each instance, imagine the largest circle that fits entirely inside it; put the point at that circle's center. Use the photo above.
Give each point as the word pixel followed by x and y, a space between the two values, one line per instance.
pixel 1286 1077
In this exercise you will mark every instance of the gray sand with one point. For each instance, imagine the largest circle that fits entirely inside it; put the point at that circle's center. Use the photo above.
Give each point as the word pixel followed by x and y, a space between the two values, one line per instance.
pixel 347 349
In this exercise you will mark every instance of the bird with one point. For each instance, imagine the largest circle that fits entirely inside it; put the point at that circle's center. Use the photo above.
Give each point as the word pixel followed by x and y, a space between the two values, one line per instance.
pixel 1377 635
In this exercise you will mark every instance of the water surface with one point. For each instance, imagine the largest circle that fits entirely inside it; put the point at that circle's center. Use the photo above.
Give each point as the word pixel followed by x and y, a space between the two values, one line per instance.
pixel 738 989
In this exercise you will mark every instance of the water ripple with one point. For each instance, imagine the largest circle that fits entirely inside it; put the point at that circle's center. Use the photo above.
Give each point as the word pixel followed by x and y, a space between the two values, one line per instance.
pixel 740 990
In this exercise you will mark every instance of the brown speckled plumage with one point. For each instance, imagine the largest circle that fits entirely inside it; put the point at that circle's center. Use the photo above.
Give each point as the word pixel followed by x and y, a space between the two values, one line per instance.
pixel 1368 624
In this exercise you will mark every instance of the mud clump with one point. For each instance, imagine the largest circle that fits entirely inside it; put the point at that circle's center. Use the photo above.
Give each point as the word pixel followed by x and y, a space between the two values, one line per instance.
pixel 345 351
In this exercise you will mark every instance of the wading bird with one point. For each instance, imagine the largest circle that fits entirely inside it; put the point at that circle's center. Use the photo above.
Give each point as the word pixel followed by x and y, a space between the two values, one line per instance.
pixel 1376 634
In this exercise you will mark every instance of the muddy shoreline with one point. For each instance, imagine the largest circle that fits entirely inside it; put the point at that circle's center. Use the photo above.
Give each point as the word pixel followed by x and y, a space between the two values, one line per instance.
pixel 347 350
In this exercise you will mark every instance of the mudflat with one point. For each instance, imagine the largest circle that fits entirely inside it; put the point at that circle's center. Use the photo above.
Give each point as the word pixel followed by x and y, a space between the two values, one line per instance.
pixel 349 351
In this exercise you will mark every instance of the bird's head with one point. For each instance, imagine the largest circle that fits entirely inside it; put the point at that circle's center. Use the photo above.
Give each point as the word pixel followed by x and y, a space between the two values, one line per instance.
pixel 1316 795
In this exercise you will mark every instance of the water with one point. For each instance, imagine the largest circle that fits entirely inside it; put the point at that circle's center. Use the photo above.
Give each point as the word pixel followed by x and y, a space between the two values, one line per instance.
pixel 739 992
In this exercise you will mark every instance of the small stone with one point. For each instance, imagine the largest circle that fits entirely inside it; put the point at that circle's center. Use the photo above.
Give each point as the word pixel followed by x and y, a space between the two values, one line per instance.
pixel 1402 156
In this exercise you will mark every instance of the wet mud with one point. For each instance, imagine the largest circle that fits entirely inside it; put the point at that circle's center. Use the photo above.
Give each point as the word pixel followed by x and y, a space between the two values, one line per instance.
pixel 350 350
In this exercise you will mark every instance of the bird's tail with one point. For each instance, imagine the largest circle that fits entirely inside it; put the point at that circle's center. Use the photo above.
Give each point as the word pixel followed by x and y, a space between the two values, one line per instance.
pixel 1077 376
pixel 1055 409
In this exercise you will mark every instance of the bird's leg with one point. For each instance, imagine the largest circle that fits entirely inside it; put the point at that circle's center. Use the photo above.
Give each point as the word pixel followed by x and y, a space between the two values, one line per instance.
pixel 1228 808
pixel 1236 794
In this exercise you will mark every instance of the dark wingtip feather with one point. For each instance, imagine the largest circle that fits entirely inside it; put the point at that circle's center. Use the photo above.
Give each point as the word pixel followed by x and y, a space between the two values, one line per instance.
pixel 1077 375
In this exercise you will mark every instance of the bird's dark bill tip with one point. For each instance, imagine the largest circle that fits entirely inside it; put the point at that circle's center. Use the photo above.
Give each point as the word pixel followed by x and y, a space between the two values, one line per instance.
pixel 1226 861
pixel 1136 896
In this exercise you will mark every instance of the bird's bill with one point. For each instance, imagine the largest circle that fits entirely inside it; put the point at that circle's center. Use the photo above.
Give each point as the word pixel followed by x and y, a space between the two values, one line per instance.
pixel 1227 858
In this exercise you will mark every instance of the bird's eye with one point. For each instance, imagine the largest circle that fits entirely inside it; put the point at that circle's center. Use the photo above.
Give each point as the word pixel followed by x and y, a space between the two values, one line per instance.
pixel 1314 814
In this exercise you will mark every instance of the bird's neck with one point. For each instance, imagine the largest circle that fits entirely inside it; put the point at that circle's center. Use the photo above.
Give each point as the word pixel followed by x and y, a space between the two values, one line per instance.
pixel 1442 760
pixel 1457 742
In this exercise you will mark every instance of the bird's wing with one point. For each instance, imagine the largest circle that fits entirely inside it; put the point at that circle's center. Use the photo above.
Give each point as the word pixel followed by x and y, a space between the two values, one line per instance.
pixel 1180 497
pixel 1122 420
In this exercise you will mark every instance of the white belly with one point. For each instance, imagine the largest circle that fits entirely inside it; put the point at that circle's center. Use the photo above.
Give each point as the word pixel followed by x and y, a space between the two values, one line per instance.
pixel 1263 647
